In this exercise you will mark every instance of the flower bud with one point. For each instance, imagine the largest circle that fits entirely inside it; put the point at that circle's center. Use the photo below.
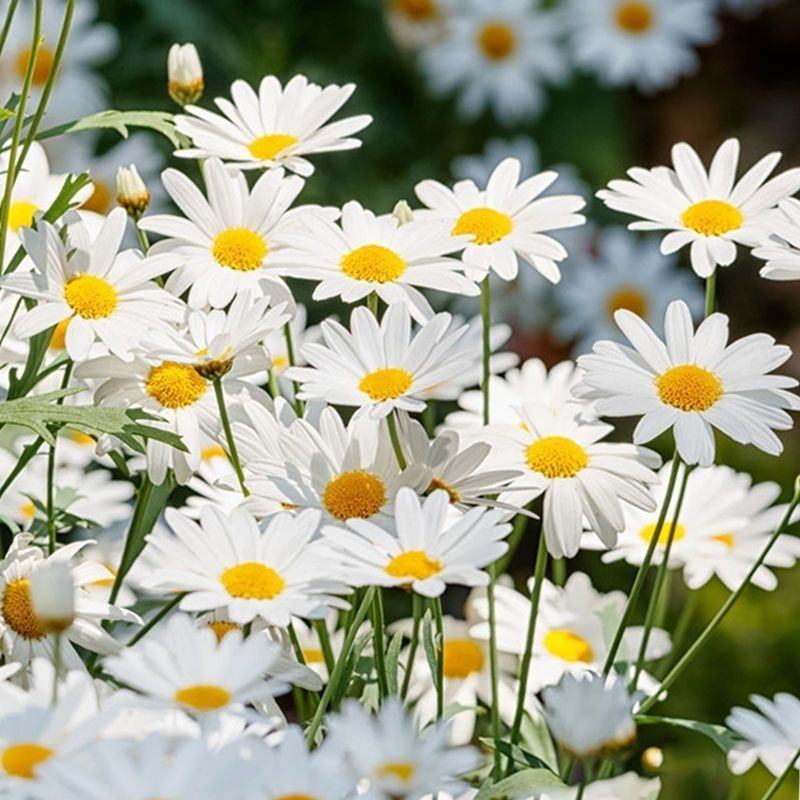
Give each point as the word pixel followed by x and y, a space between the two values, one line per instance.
pixel 185 74
pixel 53 597
pixel 132 194
pixel 402 212
pixel 653 759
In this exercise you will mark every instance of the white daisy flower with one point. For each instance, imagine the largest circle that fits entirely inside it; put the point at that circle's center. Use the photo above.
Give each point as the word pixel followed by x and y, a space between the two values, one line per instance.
pixel 571 626
pixel 647 43
pixel 497 55
pixel 725 521
pixel 694 383
pixel 105 294
pixel 366 253
pixel 416 23
pixel 590 715
pixel 388 752
pixel 310 643
pixel 214 483
pixel 277 346
pixel 505 220
pixel 771 734
pixel 230 563
pixel 21 633
pixel 782 250
pixel 425 553
pixel 708 210
pixel 624 272
pixel 379 367
pixel 624 787
pixel 584 481
pixel 228 240
pixel 279 126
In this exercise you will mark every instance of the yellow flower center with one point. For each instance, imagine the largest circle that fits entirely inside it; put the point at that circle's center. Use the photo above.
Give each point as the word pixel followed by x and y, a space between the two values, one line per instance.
pixel 295 797
pixel 83 439
pixel 634 17
pixel 438 483
pixel 354 494
pixel 726 539
pixel 400 769
pixel 240 249
pixel 175 385
pixel 417 10
pixel 222 627
pixel 252 581
pixel 556 457
pixel 279 363
pixel 203 697
pixel 21 760
pixel 629 299
pixel 462 657
pixel 485 225
pixel 313 655
pixel 18 610
pixel 213 451
pixel 266 147
pixel 413 564
pixel 497 41
pixel 712 217
pixel 648 532
pixel 20 215
pixel 100 200
pixel 42 67
pixel 27 510
pixel 58 341
pixel 374 263
pixel 90 296
pixel 568 646
pixel 386 384
pixel 689 388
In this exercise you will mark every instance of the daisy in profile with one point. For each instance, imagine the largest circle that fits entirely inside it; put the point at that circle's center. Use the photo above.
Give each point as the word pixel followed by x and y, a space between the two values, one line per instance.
pixel 694 383
pixel 228 240
pixel 102 293
pixel 707 209
pixel 21 634
pixel 504 221
pixel 416 23
pixel 427 553
pixel 276 127
pixel 366 253
pixel 381 366
pixel 623 272
pixel 388 752
pixel 646 43
pixel 585 482
pixel 769 735
pixel 782 250
pixel 228 562
pixel 496 55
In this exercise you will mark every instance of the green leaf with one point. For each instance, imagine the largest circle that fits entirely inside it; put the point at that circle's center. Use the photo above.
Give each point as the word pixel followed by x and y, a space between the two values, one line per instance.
pixel 722 737
pixel 44 416
pixel 160 121
pixel 517 754
pixel 6 113
pixel 536 739
pixel 428 642
pixel 392 659
pixel 523 784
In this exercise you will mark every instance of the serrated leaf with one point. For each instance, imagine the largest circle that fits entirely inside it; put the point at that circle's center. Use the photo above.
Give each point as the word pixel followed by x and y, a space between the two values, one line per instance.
pixel 160 121
pixel 521 785
pixel 535 738
pixel 722 737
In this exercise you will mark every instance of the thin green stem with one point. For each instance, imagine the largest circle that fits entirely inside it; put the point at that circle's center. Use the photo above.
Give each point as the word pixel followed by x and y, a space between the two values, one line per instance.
pixel 51 474
pixel 233 452
pixel 12 7
pixel 520 526
pixel 296 646
pixel 141 235
pixel 494 675
pixel 272 382
pixel 711 293
pixel 698 644
pixel 416 613
pixel 10 322
pixel 156 618
pixel 391 423
pixel 778 782
pixel 486 316
pixel 379 646
pixel 437 612
pixel 641 575
pixel 559 571
pixel 429 417
pixel 372 304
pixel 681 629
pixel 325 643
pixel 287 335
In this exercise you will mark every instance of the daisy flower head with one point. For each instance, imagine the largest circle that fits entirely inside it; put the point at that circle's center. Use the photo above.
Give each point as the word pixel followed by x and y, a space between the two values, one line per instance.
pixel 276 127
pixel 647 43
pixel 693 382
pixel 781 251
pixel 229 239
pixel 706 209
pixel 378 367
pixel 497 55
pixel 302 334
pixel 98 292
pixel 584 480
pixel 427 552
pixel 624 272
pixel 416 23
pixel 504 221
pixel 365 253
pixel 590 715
pixel 272 573
pixel 388 752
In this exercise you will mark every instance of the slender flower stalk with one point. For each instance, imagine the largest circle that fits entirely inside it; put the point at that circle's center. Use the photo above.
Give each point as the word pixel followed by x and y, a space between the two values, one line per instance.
pixel 711 294
pixel 437 611
pixel 391 423
pixel 325 644
pixel 233 452
pixel 372 303
pixel 51 474
pixel 379 645
pixel 155 619
pixel 12 8
pixel 416 613
pixel 778 782
pixel 287 333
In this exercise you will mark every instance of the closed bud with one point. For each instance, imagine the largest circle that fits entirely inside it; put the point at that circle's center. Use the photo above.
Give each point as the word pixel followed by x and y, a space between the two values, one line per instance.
pixel 402 212
pixel 132 194
pixel 184 74
pixel 53 597
pixel 653 759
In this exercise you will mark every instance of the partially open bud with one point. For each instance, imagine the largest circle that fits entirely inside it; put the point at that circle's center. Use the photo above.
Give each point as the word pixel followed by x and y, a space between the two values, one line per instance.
pixel 185 74
pixel 53 597
pixel 132 194
pixel 402 212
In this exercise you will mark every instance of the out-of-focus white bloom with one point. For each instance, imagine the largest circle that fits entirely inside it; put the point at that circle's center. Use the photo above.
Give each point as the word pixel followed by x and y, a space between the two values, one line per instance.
pixel 781 250
pixel 185 82
pixel 624 787
pixel 132 194
pixel 417 23
pixel 52 592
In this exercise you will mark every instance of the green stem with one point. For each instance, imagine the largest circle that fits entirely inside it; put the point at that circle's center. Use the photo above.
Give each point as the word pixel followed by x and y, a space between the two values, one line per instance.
pixel 393 435
pixel 486 316
pixel 156 618
pixel 681 629
pixel 712 626
pixel 287 335
pixel 429 417
pixel 437 611
pixel 378 645
pixel 520 526
pixel 141 235
pixel 51 473
pixel 641 575
pixel 777 783
pixel 233 452
pixel 372 304
pixel 296 646
pixel 559 571
pixel 12 7
pixel 325 643
pixel 416 612
pixel 272 382
pixel 10 320
pixel 711 293
pixel 494 675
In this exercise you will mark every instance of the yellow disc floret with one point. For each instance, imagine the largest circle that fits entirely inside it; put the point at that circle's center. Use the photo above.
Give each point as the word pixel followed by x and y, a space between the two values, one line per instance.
pixel 568 646
pixel 485 225
pixel 462 657
pixel 222 628
pixel 649 531
pixel 356 493
pixel 497 41
pixel 386 384
pixel 634 17
pixel 417 10
pixel 239 249
pixel 399 769
pixel 689 388
pixel 90 296
pixel 18 610
pixel 556 457
pixel 175 385
pixel 373 262
pixel 266 147
pixel 20 215
pixel 203 697
pixel 712 217
pixel 100 200
pixel 413 564
pixel 21 760
pixel 252 580
pixel 43 66
pixel 629 299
